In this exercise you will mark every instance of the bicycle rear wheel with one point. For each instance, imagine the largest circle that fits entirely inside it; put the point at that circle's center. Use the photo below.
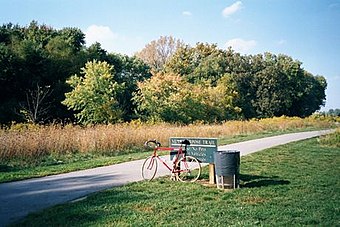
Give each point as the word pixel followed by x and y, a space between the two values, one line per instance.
pixel 189 169
pixel 149 168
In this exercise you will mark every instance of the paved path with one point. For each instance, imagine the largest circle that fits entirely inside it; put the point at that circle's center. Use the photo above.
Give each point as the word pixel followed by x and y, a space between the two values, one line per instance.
pixel 17 199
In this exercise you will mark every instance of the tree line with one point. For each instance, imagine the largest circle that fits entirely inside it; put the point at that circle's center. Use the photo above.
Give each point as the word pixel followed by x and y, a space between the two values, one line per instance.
pixel 48 74
pixel 331 112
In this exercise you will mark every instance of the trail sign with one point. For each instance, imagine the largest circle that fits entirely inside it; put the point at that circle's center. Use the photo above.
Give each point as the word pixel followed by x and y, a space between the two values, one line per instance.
pixel 201 148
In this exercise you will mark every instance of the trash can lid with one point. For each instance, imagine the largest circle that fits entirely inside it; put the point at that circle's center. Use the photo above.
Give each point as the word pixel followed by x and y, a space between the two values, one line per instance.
pixel 228 151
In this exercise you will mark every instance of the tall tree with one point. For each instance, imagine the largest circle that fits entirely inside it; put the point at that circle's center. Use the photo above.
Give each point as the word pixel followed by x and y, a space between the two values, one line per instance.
pixel 94 94
pixel 311 97
pixel 130 71
pixel 171 98
pixel 37 54
pixel 205 62
pixel 267 85
pixel 158 52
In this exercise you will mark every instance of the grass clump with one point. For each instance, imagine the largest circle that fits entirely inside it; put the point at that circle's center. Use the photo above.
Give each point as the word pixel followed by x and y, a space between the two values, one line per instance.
pixel 291 185
pixel 331 140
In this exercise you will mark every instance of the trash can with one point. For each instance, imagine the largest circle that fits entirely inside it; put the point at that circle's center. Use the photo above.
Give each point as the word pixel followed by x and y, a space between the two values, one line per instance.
pixel 227 168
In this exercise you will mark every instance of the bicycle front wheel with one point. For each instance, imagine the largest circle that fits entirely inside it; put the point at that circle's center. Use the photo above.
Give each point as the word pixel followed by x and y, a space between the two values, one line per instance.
pixel 189 169
pixel 149 168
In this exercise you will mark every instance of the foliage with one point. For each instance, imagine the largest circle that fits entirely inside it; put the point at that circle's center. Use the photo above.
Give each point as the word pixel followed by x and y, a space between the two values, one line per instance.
pixel 267 85
pixel 36 55
pixel 94 95
pixel 39 55
pixel 169 97
pixel 203 62
pixel 158 52
pixel 254 86
pixel 130 71
pixel 334 112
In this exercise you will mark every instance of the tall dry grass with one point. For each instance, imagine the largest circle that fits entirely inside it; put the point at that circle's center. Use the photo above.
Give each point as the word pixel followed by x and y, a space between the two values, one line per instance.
pixel 34 141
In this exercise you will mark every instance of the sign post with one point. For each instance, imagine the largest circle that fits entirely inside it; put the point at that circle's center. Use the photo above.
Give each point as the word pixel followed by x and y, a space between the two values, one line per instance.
pixel 201 148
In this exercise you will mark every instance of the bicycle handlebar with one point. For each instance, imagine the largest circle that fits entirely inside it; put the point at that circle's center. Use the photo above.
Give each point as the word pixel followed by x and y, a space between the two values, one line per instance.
pixel 158 144
pixel 154 142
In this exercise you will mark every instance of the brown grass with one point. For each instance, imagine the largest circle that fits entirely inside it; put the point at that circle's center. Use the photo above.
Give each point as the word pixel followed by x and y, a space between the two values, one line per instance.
pixel 34 141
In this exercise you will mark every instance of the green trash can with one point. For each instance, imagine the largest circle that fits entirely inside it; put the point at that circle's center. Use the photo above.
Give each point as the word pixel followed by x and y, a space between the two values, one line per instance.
pixel 227 168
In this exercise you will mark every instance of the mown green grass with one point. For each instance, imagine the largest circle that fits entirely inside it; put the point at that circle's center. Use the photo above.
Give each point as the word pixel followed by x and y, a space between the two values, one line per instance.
pixel 20 169
pixel 291 185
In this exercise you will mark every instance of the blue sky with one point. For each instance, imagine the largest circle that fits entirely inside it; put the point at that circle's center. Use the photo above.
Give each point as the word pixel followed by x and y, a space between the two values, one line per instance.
pixel 306 30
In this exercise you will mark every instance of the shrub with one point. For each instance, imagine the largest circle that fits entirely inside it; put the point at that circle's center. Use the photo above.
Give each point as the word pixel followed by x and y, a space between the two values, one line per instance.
pixel 94 95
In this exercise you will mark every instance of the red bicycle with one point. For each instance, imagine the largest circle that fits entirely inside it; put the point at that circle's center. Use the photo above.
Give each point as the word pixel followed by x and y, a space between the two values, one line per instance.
pixel 184 168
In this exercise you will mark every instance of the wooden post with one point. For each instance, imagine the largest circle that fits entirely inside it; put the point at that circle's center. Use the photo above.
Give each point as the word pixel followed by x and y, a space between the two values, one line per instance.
pixel 211 173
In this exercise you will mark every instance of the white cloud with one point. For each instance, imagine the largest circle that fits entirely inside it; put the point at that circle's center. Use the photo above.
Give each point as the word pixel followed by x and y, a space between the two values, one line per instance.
pixel 232 9
pixel 282 42
pixel 102 35
pixel 187 13
pixel 113 42
pixel 241 45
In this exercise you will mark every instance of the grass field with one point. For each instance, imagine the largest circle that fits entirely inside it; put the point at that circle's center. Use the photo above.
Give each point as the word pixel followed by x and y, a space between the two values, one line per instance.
pixel 28 151
pixel 31 142
pixel 291 185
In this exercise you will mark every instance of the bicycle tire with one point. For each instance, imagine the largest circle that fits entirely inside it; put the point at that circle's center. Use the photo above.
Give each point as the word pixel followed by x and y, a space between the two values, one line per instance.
pixel 149 168
pixel 190 169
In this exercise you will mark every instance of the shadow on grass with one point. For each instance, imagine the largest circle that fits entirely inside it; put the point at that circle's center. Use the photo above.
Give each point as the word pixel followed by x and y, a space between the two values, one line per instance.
pixel 254 181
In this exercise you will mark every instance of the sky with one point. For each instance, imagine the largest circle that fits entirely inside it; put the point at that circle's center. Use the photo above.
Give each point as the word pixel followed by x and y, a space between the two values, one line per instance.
pixel 306 30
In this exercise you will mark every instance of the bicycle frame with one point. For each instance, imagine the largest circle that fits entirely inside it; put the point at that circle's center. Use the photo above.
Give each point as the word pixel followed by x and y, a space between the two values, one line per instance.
pixel 182 164
pixel 164 162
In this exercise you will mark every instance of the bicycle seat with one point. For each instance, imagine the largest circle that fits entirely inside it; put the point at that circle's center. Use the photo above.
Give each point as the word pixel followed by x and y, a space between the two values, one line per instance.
pixel 185 142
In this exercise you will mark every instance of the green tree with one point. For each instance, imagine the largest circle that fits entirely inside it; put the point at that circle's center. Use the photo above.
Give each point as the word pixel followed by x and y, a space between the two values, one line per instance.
pixel 274 85
pixel 130 71
pixel 220 100
pixel 262 85
pixel 94 95
pixel 169 97
pixel 161 97
pixel 333 112
pixel 96 52
pixel 311 96
pixel 196 63
pixel 272 90
pixel 37 54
